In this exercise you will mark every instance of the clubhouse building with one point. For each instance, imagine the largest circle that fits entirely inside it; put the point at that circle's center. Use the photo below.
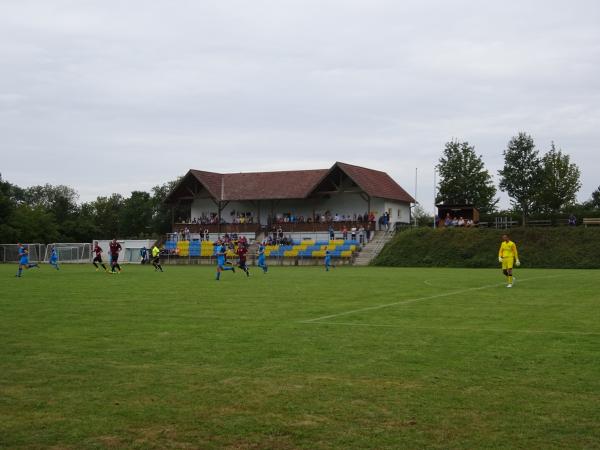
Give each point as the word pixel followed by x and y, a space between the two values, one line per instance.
pixel 294 201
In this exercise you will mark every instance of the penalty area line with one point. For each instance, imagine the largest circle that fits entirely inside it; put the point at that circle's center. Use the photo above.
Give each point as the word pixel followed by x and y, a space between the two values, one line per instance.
pixel 420 299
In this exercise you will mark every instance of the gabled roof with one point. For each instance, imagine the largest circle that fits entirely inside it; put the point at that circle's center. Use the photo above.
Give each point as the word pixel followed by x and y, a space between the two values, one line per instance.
pixel 376 183
pixel 291 184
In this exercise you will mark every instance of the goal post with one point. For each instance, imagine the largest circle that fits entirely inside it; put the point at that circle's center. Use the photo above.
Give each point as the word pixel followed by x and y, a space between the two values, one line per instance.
pixel 9 253
pixel 70 252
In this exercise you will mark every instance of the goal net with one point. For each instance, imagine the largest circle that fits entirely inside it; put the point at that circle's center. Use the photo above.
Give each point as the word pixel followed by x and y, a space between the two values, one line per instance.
pixel 70 252
pixel 9 253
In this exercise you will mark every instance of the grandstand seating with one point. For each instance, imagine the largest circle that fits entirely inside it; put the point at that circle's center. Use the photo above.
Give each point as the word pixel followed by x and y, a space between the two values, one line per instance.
pixel 339 248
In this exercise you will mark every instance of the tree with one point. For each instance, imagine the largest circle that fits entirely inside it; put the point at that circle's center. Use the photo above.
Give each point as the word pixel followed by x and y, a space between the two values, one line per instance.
pixel 423 218
pixel 522 173
pixel 464 180
pixel 136 215
pixel 594 201
pixel 161 215
pixel 560 181
pixel 108 214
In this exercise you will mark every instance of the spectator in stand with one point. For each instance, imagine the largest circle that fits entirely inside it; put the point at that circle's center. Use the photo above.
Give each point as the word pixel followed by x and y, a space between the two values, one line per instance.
pixel 470 223
pixel 344 233
pixel 368 232
pixel 361 235
pixel 331 233
pixel 359 218
pixel 454 222
pixel 572 220
pixel 448 220
pixel 353 233
pixel 461 222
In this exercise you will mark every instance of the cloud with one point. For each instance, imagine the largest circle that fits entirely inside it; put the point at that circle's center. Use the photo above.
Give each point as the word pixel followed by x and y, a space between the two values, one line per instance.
pixel 141 91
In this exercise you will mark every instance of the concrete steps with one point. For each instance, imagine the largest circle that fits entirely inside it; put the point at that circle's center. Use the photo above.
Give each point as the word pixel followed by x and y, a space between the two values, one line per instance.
pixel 372 249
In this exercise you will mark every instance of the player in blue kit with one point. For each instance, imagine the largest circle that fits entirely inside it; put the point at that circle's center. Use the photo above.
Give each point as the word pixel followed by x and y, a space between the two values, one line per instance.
pixel 328 260
pixel 54 258
pixel 261 259
pixel 24 261
pixel 221 260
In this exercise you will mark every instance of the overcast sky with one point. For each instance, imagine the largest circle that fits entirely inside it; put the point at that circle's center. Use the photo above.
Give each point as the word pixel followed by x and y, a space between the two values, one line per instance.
pixel 113 96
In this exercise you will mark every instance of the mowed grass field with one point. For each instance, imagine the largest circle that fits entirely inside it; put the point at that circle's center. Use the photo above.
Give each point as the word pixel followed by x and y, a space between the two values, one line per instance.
pixel 356 358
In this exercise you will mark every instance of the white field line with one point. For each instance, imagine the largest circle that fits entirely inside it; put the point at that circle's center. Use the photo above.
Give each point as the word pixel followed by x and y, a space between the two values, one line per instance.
pixel 420 299
pixel 490 330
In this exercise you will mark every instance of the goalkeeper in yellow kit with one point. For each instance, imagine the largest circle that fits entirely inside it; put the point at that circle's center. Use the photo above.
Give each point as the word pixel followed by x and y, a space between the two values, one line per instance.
pixel 508 256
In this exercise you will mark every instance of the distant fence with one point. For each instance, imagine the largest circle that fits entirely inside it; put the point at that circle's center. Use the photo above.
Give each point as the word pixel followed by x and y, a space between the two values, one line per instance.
pixel 68 252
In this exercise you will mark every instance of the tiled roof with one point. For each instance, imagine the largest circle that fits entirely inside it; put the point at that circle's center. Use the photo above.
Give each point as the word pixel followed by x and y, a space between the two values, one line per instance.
pixel 376 183
pixel 294 184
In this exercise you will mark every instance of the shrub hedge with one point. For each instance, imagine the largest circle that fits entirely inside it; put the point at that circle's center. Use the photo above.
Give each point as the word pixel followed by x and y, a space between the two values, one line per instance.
pixel 560 247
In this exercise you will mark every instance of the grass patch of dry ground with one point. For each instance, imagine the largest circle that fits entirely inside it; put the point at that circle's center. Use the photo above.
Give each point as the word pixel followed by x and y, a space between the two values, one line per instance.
pixel 177 360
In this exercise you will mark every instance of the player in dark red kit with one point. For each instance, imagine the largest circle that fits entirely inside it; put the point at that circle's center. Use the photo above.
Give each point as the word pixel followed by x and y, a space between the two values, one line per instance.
pixel 115 248
pixel 98 258
pixel 241 253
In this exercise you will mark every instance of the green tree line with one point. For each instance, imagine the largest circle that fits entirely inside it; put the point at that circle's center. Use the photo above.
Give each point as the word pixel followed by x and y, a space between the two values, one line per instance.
pixel 53 214
pixel 541 185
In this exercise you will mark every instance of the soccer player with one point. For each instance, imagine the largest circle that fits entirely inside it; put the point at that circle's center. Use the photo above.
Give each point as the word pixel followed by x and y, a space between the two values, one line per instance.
pixel 221 260
pixel 98 258
pixel 115 248
pixel 24 260
pixel 508 256
pixel 261 258
pixel 241 252
pixel 328 260
pixel 54 258
pixel 156 259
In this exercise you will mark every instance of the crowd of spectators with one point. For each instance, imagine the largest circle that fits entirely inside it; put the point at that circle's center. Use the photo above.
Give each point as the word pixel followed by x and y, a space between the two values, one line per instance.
pixel 453 221
pixel 213 219
pixel 325 217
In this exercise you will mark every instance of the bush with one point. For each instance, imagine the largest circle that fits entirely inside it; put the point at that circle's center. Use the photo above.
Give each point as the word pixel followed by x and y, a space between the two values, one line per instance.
pixel 564 247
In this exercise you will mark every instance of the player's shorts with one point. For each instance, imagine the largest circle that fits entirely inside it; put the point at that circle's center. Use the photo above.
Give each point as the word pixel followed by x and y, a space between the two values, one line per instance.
pixel 53 260
pixel 156 260
pixel 508 262
pixel 98 259
pixel 24 260
pixel 261 261
pixel 114 259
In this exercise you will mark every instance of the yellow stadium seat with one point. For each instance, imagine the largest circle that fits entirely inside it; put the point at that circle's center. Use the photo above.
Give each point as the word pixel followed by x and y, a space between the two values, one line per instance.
pixel 318 253
pixel 346 254
pixel 290 253
pixel 353 248
pixel 336 242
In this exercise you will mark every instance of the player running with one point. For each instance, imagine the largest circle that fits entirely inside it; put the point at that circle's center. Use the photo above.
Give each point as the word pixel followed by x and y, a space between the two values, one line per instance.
pixel 24 260
pixel 222 260
pixel 262 263
pixel 98 258
pixel 114 248
pixel 156 259
pixel 328 261
pixel 508 256
pixel 54 258
pixel 241 253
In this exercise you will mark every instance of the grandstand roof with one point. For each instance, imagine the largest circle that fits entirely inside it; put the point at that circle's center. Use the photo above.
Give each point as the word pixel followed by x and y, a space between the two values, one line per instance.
pixel 290 184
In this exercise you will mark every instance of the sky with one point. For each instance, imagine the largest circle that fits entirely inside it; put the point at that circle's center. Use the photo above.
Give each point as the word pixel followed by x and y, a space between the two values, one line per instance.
pixel 112 96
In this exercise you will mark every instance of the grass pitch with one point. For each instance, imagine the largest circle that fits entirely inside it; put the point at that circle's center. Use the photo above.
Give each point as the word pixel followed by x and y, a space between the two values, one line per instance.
pixel 299 358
